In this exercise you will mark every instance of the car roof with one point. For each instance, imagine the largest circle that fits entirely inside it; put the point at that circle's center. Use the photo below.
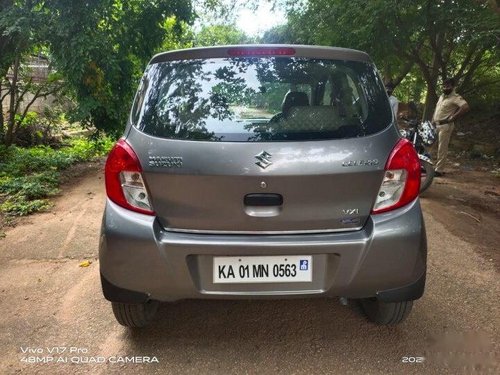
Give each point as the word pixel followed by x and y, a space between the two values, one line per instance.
pixel 318 52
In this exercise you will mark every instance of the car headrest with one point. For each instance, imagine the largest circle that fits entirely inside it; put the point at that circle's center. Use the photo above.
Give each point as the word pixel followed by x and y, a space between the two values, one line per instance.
pixel 294 99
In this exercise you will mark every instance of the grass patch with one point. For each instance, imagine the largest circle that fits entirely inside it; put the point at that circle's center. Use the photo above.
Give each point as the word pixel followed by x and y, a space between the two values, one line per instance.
pixel 28 176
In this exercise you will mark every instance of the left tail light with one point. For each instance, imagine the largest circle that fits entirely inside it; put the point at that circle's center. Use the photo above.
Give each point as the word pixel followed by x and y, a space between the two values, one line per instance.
pixel 124 183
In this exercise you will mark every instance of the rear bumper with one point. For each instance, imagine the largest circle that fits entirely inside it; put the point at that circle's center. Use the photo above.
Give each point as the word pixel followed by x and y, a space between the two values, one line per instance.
pixel 140 260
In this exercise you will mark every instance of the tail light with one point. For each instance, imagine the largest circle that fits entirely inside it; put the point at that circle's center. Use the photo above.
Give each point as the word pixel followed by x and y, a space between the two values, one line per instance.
pixel 401 183
pixel 124 182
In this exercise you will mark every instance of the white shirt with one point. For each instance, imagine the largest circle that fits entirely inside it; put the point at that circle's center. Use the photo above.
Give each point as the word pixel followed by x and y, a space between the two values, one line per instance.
pixel 394 105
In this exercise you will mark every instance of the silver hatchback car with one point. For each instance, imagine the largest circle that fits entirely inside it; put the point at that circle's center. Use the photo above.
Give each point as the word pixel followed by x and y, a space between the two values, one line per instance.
pixel 262 171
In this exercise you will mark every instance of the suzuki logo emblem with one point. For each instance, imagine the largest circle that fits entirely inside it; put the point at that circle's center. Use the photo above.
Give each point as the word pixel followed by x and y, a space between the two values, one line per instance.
pixel 263 159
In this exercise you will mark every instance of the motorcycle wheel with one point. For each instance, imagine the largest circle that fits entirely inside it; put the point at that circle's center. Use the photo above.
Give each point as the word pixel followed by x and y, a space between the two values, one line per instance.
pixel 427 173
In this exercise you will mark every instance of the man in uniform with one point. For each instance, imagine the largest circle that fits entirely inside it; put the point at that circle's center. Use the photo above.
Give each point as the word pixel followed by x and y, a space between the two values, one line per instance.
pixel 449 108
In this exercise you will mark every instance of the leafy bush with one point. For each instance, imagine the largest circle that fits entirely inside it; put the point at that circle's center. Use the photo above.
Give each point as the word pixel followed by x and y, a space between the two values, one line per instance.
pixel 82 149
pixel 23 207
pixel 23 161
pixel 34 186
pixel 37 129
pixel 30 175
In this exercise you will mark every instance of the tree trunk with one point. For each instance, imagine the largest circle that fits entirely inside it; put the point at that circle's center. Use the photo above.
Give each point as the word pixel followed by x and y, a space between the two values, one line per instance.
pixel 431 79
pixel 9 136
pixel 2 130
pixel 431 99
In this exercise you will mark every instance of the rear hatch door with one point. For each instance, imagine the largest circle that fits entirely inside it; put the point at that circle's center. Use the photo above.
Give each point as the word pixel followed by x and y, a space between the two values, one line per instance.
pixel 264 144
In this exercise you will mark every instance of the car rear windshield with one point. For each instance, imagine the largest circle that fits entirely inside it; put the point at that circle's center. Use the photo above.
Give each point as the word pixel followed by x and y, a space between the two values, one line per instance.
pixel 261 99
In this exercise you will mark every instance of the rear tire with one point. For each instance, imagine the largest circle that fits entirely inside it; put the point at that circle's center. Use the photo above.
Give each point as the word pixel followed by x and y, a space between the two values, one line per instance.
pixel 386 313
pixel 135 315
pixel 427 170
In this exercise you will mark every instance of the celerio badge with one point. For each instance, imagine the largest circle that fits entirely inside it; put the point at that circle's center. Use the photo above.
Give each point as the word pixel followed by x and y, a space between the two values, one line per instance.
pixel 264 159
pixel 165 161
pixel 359 163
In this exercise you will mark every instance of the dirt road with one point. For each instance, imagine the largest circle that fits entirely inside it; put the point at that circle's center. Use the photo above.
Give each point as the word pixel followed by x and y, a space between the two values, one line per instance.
pixel 52 308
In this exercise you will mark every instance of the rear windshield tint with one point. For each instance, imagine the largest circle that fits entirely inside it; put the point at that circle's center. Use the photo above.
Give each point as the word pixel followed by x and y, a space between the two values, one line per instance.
pixel 260 99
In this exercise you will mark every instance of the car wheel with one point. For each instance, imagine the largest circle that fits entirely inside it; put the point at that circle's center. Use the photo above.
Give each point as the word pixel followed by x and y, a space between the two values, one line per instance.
pixel 386 313
pixel 135 315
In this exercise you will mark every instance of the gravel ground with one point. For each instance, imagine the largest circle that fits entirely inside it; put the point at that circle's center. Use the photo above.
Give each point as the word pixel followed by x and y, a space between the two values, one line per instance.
pixel 52 308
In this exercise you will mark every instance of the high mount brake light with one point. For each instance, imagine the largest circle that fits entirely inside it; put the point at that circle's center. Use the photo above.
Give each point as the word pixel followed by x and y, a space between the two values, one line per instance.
pixel 261 51
pixel 124 182
pixel 401 183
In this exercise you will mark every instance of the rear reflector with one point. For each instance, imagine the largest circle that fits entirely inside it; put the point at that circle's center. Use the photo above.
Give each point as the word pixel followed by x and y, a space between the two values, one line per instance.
pixel 401 183
pixel 261 51
pixel 124 183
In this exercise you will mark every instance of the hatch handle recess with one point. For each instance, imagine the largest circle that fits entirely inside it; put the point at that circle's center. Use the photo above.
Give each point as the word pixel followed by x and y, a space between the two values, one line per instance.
pixel 266 200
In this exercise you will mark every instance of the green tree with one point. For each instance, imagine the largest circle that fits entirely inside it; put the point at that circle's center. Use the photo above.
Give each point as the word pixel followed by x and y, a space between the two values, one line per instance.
pixel 19 42
pixel 443 38
pixel 100 47
pixel 281 34
pixel 217 35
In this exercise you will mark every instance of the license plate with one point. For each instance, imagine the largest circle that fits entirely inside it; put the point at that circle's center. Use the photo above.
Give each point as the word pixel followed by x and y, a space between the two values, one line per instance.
pixel 263 269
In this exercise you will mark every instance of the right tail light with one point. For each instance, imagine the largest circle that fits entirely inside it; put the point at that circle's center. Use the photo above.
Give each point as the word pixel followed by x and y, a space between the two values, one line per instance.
pixel 401 183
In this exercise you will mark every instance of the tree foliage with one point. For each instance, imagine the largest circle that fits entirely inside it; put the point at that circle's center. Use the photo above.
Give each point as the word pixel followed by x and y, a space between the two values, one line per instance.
pixel 100 47
pixel 218 35
pixel 19 42
pixel 441 39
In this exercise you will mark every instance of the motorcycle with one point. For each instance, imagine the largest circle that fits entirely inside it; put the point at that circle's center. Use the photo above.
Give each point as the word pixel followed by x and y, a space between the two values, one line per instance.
pixel 422 135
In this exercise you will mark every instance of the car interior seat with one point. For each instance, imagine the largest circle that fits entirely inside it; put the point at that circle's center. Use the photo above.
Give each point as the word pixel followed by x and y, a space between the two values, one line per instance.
pixel 294 99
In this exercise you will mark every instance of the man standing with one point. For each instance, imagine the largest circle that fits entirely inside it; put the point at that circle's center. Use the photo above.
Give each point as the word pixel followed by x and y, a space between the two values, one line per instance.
pixel 449 108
